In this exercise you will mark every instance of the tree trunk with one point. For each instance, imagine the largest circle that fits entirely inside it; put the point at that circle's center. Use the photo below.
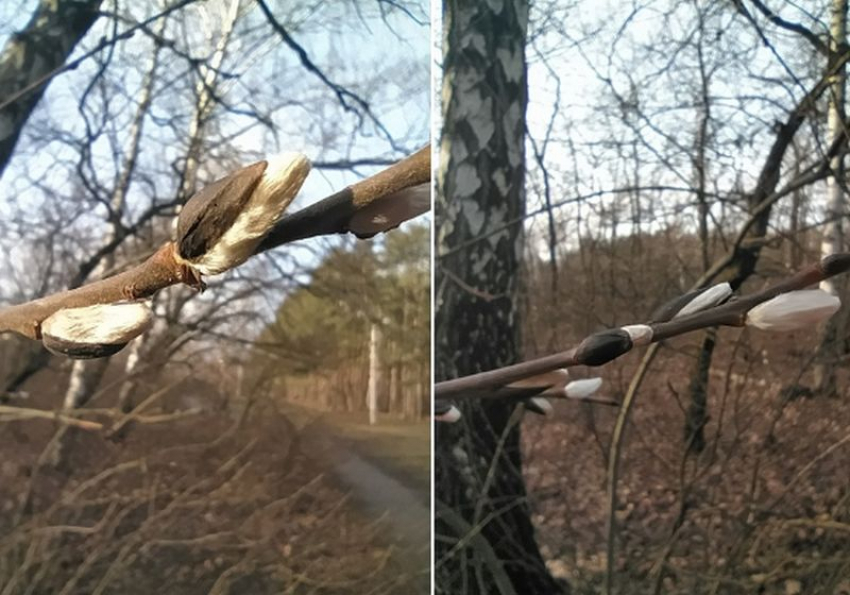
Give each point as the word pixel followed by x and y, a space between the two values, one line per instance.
pixel 374 372
pixel 697 413
pixel 481 188
pixel 832 345
pixel 31 56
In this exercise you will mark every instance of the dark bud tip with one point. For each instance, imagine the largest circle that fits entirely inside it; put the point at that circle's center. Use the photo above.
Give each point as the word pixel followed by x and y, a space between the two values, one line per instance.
pixel 77 350
pixel 603 347
pixel 835 264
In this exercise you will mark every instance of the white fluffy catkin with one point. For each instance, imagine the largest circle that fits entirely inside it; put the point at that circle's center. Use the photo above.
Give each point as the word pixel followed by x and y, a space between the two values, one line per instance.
pixel 277 188
pixel 794 310
pixel 106 324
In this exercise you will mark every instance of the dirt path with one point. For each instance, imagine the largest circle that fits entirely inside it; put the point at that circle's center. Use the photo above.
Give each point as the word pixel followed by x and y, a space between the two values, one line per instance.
pixel 404 511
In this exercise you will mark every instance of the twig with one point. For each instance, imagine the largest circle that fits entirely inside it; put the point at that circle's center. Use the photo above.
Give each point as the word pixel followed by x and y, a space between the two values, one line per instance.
pixel 733 313
pixel 333 214
pixel 8 413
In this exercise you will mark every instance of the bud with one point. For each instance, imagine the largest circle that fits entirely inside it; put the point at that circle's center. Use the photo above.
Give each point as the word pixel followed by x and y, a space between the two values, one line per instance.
pixel 94 331
pixel 691 302
pixel 539 405
pixel 391 211
pixel 446 413
pixel 220 227
pixel 793 310
pixel 582 389
pixel 709 298
pixel 600 348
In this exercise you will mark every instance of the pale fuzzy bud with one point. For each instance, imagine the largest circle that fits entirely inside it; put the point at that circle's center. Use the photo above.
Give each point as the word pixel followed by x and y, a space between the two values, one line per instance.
pixel 391 211
pixel 707 299
pixel 581 389
pixel 539 405
pixel 95 331
pixel 220 227
pixel 640 334
pixel 449 415
pixel 793 310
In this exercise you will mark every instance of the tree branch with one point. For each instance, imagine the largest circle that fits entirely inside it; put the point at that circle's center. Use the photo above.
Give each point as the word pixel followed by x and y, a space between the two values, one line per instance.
pixel 164 268
pixel 491 384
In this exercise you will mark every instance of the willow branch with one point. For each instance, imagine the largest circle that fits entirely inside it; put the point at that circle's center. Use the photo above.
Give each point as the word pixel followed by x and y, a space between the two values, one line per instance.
pixel 598 349
pixel 333 214
pixel 164 268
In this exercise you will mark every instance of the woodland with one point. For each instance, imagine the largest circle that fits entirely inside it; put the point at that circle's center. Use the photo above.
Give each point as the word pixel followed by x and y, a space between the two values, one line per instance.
pixel 654 148
pixel 180 464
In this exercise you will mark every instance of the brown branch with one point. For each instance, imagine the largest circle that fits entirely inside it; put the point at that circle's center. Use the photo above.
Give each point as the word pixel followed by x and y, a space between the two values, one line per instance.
pixel 797 28
pixel 732 313
pixel 157 272
pixel 164 268
pixel 333 214
pixel 8 413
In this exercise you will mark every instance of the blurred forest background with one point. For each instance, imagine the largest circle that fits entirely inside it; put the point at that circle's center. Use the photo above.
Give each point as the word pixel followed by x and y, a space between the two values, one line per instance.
pixel 685 145
pixel 670 144
pixel 182 461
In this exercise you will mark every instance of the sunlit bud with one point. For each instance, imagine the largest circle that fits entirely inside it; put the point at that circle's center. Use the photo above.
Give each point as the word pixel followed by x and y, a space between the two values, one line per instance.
pixel 640 334
pixel 709 298
pixel 446 412
pixel 391 211
pixel 94 331
pixel 691 302
pixel 582 389
pixel 539 405
pixel 600 348
pixel 220 226
pixel 793 310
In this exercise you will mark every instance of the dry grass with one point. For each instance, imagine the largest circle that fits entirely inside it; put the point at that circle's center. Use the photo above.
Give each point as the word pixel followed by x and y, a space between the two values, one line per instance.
pixel 193 506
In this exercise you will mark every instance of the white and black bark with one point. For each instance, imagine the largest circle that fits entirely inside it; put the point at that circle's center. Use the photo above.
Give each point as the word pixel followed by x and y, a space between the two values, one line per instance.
pixel 481 188
pixel 832 345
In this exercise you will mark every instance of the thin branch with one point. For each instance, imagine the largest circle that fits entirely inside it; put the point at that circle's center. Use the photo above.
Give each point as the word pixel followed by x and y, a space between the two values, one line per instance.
pixel 333 214
pixel 8 413
pixel 732 313
pixel 343 95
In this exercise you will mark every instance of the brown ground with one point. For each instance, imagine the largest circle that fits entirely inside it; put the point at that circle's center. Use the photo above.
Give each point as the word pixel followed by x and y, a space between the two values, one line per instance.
pixel 193 506
pixel 765 508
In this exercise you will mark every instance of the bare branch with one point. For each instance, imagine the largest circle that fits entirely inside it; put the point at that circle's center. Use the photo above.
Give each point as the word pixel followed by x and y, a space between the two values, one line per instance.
pixel 598 349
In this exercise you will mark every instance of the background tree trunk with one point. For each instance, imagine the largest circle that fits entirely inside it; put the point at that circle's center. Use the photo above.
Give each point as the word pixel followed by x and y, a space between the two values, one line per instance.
pixel 833 344
pixel 481 188
pixel 31 56
pixel 374 370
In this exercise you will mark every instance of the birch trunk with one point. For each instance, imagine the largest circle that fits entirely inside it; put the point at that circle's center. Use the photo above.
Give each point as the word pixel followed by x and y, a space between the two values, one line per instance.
pixel 203 109
pixel 30 56
pixel 481 188
pixel 374 371
pixel 87 374
pixel 832 347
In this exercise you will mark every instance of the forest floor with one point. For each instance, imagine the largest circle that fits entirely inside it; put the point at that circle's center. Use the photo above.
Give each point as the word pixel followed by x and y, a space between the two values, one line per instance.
pixel 763 509
pixel 201 505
